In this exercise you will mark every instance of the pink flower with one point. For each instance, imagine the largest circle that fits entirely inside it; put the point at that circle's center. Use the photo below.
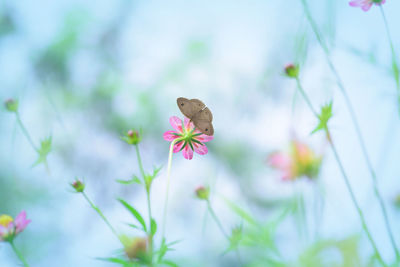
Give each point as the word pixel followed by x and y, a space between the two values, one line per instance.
pixel 21 222
pixel 366 4
pixel 190 139
pixel 300 161
pixel 10 228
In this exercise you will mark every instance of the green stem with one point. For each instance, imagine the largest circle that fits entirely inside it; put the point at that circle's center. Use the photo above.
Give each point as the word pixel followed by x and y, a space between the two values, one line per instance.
pixel 19 254
pixel 353 197
pixel 356 126
pixel 25 132
pixel 101 215
pixel 171 149
pixel 395 66
pixel 140 161
pixel 221 228
pixel 217 221
pixel 346 179
pixel 139 158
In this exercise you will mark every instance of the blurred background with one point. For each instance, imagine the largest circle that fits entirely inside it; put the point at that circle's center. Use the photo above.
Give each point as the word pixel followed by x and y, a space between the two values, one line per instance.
pixel 87 72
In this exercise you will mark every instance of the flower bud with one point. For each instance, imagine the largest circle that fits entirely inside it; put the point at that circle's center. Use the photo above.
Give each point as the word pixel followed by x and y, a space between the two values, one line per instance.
pixel 79 186
pixel 136 248
pixel 292 70
pixel 11 105
pixel 132 137
pixel 202 192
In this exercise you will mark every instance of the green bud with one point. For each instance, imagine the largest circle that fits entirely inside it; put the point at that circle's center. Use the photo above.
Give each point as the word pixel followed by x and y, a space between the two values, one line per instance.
pixel 292 70
pixel 135 248
pixel 11 105
pixel 202 192
pixel 79 186
pixel 132 137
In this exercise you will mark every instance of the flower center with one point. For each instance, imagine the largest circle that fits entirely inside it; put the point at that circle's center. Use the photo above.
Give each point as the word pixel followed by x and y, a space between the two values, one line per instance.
pixel 5 220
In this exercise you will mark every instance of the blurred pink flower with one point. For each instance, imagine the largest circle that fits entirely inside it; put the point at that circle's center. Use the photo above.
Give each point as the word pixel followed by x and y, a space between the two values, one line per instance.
pixel 10 228
pixel 366 4
pixel 190 138
pixel 300 161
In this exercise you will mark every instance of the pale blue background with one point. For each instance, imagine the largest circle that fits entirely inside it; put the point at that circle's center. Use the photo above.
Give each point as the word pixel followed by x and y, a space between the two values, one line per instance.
pixel 238 73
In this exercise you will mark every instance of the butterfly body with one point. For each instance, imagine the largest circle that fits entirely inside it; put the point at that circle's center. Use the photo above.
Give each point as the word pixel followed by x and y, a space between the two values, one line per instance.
pixel 198 113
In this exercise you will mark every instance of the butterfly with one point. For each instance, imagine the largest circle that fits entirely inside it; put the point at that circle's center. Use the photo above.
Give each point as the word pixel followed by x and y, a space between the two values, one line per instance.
pixel 198 113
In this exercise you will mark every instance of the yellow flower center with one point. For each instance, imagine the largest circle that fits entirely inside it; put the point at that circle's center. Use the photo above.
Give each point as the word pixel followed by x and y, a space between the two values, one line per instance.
pixel 5 220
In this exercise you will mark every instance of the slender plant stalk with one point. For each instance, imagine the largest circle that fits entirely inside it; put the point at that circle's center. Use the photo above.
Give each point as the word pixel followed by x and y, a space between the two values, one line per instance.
pixel 101 215
pixel 217 221
pixel 19 254
pixel 139 161
pixel 143 176
pixel 25 132
pixel 139 158
pixel 221 228
pixel 346 179
pixel 395 66
pixel 356 126
pixel 171 149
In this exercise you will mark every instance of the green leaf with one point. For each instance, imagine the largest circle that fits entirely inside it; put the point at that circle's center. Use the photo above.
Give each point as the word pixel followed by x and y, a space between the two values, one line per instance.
pixel 134 180
pixel 156 171
pixel 241 212
pixel 153 226
pixel 326 114
pixel 43 151
pixel 114 260
pixel 135 213
pixel 164 248
pixel 169 263
pixel 135 226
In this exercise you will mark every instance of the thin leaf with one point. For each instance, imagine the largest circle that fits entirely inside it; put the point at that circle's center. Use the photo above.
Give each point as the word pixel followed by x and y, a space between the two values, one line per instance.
pixel 43 151
pixel 241 212
pixel 114 260
pixel 153 226
pixel 134 180
pixel 134 212
pixel 135 226
pixel 169 263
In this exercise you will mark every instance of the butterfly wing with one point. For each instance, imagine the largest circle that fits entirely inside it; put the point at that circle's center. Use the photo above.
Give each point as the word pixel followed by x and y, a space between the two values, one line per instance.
pixel 204 114
pixel 204 126
pixel 189 107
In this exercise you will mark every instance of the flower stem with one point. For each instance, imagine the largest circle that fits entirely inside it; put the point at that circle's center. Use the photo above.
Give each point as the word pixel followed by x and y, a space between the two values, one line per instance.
pixel 139 161
pixel 360 212
pixel 101 215
pixel 171 149
pixel 356 125
pixel 25 132
pixel 221 228
pixel 19 254
pixel 345 177
pixel 395 66
pixel 144 176
pixel 217 221
pixel 139 158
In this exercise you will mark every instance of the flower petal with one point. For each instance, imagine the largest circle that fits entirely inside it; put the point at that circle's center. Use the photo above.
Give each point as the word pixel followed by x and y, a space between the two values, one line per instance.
pixel 171 135
pixel 279 161
pixel 204 138
pixel 21 222
pixel 188 124
pixel 187 152
pixel 176 123
pixel 366 7
pixel 200 149
pixel 356 3
pixel 178 146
